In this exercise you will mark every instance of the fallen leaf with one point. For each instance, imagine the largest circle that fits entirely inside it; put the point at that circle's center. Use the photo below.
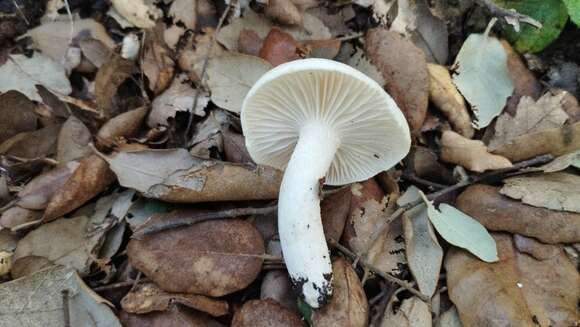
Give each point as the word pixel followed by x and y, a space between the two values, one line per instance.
pixel 95 51
pixel 235 147
pixel 107 81
pixel 73 141
pixel 5 263
pixel 29 145
pixel 192 59
pixel 412 313
pixel 54 38
pixel 461 230
pixel 90 178
pixel 17 217
pixel 22 74
pixel 482 76
pixel 555 141
pixel 231 76
pixel 444 94
pixel 212 258
pixel 283 11
pixel 277 286
pixel 334 212
pixel 36 193
pixel 158 65
pixel 122 126
pixel 265 313
pixel 471 154
pixel 326 49
pixel 208 135
pixel 279 47
pixel 562 162
pixel 175 316
pixel 141 13
pixel 407 79
pixel 525 83
pixel 180 96
pixel 531 117
pixel 148 297
pixel 335 19
pixel 17 113
pixel 184 11
pixel 449 318
pixel 249 42
pixel 359 61
pixel 39 297
pixel 348 305
pixel 556 191
pixel 172 35
pixel 518 288
pixel 425 163
pixel 500 213
pixel 424 254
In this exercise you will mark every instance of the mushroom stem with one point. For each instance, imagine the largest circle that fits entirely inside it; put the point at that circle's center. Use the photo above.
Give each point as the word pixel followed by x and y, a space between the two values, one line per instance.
pixel 300 227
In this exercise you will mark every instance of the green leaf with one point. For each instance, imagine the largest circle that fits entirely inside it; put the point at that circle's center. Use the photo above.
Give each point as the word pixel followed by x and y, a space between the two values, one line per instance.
pixel 461 230
pixel 306 311
pixel 573 10
pixel 482 76
pixel 551 13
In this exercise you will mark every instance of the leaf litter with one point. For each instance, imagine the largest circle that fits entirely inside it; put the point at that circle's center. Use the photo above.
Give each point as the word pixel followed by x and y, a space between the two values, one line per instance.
pixel 124 169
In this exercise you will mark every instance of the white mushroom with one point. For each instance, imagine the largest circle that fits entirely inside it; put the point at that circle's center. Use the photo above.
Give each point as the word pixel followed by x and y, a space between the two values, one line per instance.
pixel 323 122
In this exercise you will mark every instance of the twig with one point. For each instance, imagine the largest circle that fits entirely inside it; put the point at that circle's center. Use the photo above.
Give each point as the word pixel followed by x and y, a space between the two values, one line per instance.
pixel 66 307
pixel 364 264
pixel 20 12
pixel 418 180
pixel 510 15
pixel 210 48
pixel 203 216
pixel 350 37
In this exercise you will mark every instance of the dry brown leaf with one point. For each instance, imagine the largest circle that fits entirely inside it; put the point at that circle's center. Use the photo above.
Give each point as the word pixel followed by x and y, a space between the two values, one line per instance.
pixel 556 191
pixel 18 217
pixel 174 317
pixel 172 35
pixel 36 193
pixel 284 11
pixel 525 83
pixel 211 258
pixel 141 13
pixel 122 126
pixel 500 213
pixel 249 42
pixel 265 313
pixel 90 178
pixel 277 286
pixel 192 59
pixel 29 145
pixel 279 47
pixel 554 141
pixel 109 77
pixel 148 297
pixel 95 51
pixel 335 210
pixel 184 11
pixel 73 141
pixel 327 49
pixel 158 66
pixel 444 94
pixel 517 291
pixel 348 305
pixel 424 162
pixel 17 113
pixel 406 76
pixel 471 154
pixel 335 19
pixel 235 147
pixel 531 117
pixel 412 313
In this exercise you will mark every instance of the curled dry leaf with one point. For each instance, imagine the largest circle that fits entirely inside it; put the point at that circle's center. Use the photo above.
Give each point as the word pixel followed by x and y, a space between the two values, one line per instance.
pixel 562 162
pixel 265 313
pixel 17 217
pixel 176 176
pixel 73 141
pixel 90 178
pixel 500 213
pixel 122 126
pixel 109 77
pixel 279 47
pixel 141 13
pixel 276 285
pixel 37 144
pixel 349 305
pixel 157 64
pixel 518 288
pixel 17 113
pixel 37 193
pixel 235 147
pixel 284 11
pixel 525 83
pixel 406 76
pixel 211 258
pixel 175 316
pixel 471 154
pixel 444 94
pixel 556 191
pixel 412 313
pixel 148 297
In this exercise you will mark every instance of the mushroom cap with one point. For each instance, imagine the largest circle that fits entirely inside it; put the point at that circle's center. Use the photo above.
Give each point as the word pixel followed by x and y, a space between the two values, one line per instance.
pixel 373 133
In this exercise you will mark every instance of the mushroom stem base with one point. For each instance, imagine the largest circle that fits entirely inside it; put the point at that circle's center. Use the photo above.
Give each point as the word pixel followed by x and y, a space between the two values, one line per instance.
pixel 300 227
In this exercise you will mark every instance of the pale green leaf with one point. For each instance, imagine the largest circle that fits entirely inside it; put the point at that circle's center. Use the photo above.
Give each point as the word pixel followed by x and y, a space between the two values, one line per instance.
pixel 482 76
pixel 461 230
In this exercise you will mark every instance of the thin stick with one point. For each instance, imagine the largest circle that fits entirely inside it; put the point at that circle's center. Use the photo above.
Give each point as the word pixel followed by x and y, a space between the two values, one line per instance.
pixel 211 45
pixel 350 37
pixel 364 264
pixel 418 180
pixel 506 14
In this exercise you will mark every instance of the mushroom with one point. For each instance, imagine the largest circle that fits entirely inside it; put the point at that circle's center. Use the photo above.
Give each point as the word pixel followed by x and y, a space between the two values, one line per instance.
pixel 325 123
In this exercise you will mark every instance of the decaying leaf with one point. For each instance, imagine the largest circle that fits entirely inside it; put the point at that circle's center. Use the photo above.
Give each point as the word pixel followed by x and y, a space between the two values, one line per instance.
pixel 122 126
pixel 556 191
pixel 37 193
pixel 531 117
pixel 265 313
pixel 519 289
pixel 471 154
pixel 462 230
pixel 571 159
pixel 73 141
pixel 482 76
pixel 175 316
pixel 444 94
pixel 158 64
pixel 449 318
pixel 184 11
pixel 37 144
pixel 249 42
pixel 359 61
pixel 90 178
pixel 22 74
pixel 211 258
pixel 109 77
pixel 407 80
pixel 349 305
pixel 279 47
pixel 525 83
pixel 37 300
pixel 334 212
pixel 17 218
pixel 141 13
pixel 17 113
pixel 277 286
pixel 424 254
pixel 412 313
pixel 231 76
pixel 192 59
pixel 148 297
pixel 284 11
pixel 500 213
pixel 95 51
